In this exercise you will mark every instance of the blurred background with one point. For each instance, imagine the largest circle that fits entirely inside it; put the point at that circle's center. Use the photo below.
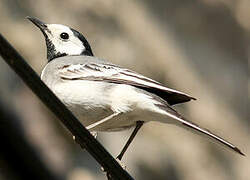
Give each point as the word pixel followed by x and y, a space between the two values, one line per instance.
pixel 199 47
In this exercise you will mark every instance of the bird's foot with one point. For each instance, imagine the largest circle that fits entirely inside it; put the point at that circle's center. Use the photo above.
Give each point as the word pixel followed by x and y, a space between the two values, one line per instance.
pixel 94 133
pixel 121 163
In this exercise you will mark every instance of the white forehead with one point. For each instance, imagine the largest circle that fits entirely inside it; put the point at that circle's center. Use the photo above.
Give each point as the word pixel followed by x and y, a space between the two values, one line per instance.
pixel 58 28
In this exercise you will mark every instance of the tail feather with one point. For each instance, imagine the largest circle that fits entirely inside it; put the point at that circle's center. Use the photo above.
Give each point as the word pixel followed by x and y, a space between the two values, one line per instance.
pixel 211 135
pixel 197 129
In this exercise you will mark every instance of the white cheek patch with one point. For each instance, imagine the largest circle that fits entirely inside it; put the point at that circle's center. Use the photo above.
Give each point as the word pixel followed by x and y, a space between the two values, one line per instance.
pixel 72 46
pixel 68 47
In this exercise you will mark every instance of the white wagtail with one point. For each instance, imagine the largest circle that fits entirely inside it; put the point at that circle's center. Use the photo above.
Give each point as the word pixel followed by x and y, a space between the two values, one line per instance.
pixel 104 96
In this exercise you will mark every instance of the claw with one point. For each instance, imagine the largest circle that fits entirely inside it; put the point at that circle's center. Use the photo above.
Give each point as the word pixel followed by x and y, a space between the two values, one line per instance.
pixel 94 133
pixel 121 164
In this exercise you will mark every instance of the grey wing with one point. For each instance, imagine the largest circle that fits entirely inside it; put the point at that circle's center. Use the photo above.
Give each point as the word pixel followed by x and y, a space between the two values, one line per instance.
pixel 115 74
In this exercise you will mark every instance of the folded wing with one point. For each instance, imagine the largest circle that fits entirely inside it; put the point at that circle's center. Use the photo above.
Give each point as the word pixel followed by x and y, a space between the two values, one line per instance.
pixel 115 74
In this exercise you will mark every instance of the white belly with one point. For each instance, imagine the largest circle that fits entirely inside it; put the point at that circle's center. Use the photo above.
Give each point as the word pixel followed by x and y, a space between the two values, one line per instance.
pixel 85 99
pixel 92 101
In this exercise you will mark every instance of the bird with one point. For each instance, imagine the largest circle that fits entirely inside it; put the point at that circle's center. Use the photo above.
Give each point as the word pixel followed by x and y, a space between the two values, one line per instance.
pixel 107 97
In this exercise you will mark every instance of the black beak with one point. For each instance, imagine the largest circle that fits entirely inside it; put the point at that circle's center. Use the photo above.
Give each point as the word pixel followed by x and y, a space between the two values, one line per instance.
pixel 41 25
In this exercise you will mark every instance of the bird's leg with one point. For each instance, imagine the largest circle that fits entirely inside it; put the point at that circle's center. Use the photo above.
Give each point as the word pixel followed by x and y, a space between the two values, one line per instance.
pixel 132 136
pixel 91 126
pixel 97 124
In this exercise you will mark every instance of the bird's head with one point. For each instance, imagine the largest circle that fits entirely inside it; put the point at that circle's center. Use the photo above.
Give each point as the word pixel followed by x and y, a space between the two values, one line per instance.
pixel 62 40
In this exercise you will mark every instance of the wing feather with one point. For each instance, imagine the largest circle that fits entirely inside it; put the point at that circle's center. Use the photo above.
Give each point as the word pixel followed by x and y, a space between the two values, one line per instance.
pixel 115 74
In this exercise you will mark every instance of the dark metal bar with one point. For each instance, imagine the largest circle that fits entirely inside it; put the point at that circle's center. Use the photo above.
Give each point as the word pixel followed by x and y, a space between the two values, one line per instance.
pixel 84 138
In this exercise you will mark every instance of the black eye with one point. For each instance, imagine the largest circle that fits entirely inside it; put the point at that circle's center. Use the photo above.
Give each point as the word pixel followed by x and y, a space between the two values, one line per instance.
pixel 64 35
